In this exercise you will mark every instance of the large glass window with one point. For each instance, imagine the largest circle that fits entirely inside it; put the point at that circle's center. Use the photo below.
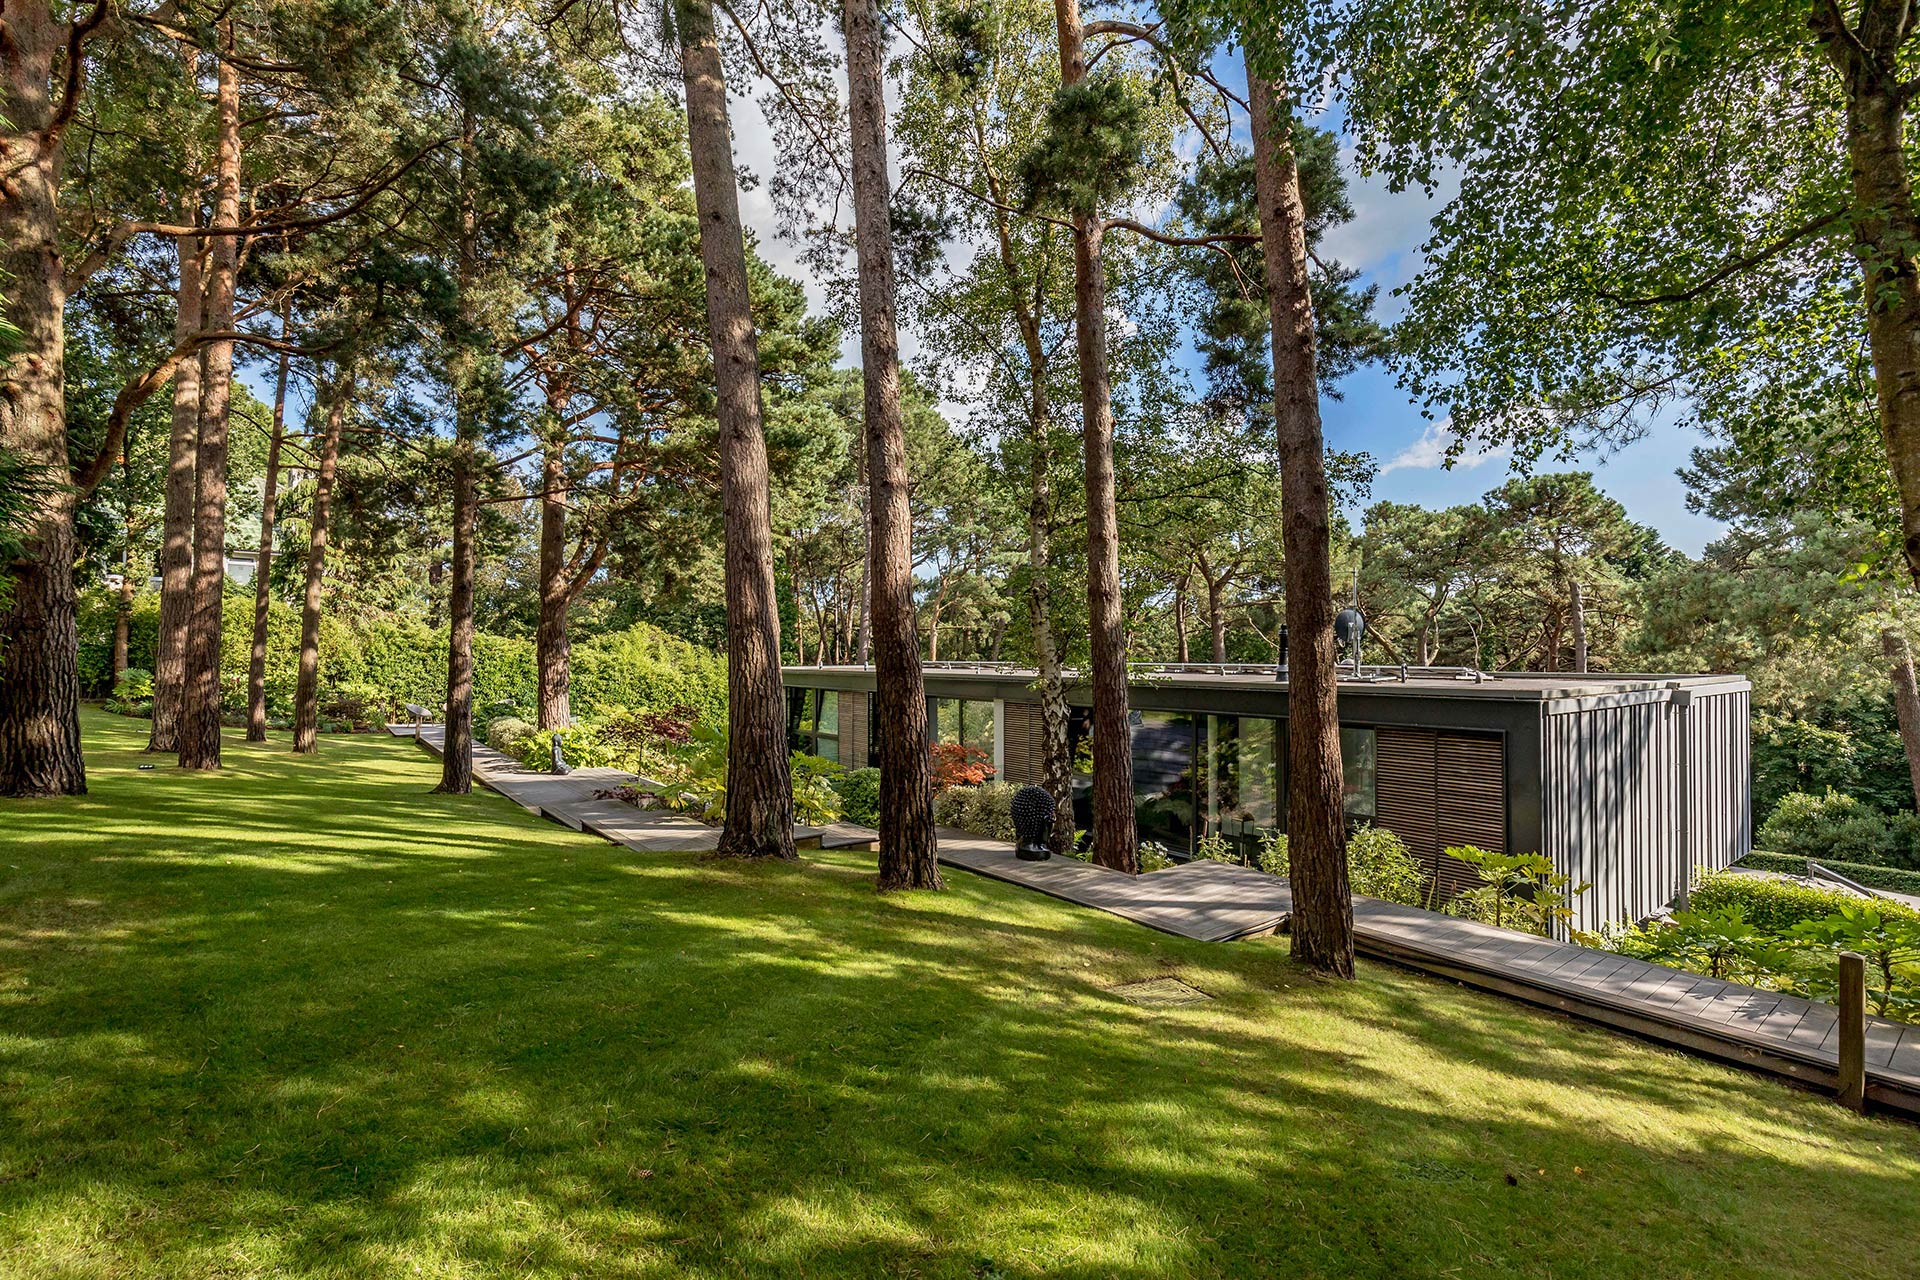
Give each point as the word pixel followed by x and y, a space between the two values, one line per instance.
pixel 1244 759
pixel 826 732
pixel 1357 759
pixel 1245 787
pixel 966 721
pixel 813 722
pixel 1163 793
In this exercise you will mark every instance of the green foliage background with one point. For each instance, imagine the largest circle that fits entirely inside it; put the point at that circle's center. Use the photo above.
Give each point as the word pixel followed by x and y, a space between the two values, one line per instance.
pixel 406 661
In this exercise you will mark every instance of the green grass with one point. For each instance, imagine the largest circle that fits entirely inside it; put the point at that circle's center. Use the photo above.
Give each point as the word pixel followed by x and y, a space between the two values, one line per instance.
pixel 303 1018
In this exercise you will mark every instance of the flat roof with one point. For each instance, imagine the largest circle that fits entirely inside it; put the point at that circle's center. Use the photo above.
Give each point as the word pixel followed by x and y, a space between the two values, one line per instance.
pixel 1498 686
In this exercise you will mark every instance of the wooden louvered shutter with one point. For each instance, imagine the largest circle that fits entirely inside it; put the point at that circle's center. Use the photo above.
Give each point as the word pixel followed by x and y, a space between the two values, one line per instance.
pixel 1437 790
pixel 1403 788
pixel 1020 753
pixel 1472 803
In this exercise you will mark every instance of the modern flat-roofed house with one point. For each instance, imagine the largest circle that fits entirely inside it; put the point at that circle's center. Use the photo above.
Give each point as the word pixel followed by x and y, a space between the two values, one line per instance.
pixel 1627 782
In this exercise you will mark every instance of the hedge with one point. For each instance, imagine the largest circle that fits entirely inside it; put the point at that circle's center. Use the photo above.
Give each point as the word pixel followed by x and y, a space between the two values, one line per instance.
pixel 406 661
pixel 1891 879
pixel 1776 906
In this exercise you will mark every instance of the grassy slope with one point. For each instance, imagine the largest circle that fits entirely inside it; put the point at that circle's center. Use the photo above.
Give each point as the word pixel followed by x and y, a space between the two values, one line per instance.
pixel 304 1018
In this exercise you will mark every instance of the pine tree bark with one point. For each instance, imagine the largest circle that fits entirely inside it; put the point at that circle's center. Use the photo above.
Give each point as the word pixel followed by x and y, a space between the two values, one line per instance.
pixel 1115 840
pixel 552 647
pixel 1322 927
pixel 200 684
pixel 908 847
pixel 263 561
pixel 456 755
pixel 1906 699
pixel 123 607
pixel 39 642
pixel 456 758
pixel 306 693
pixel 1885 228
pixel 176 529
pixel 759 786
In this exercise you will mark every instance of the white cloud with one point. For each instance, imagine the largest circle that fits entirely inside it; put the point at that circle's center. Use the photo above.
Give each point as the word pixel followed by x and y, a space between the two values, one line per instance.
pixel 1430 452
pixel 1388 227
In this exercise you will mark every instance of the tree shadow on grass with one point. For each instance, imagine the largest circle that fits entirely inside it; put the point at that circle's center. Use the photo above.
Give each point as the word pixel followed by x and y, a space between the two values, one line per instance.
pixel 514 1050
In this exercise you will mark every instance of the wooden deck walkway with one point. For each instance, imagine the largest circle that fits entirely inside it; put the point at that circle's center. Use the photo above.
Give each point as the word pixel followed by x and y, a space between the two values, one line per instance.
pixel 1209 901
pixel 569 799
pixel 1766 1030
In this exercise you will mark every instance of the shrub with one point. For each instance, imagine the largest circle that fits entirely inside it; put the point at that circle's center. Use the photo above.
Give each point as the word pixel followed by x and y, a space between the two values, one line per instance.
pixel 860 796
pixel 958 765
pixel 1842 827
pixel 815 802
pixel 1777 906
pixel 134 684
pixel 950 807
pixel 1517 891
pixel 1889 941
pixel 506 734
pixel 1722 944
pixel 1380 866
pixel 1888 878
pixel 579 743
pixel 645 741
pixel 1154 858
pixel 1273 854
pixel 1214 848
pixel 984 810
pixel 357 702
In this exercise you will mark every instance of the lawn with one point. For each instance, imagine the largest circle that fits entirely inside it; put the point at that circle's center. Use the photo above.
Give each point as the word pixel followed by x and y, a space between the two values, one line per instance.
pixel 304 1018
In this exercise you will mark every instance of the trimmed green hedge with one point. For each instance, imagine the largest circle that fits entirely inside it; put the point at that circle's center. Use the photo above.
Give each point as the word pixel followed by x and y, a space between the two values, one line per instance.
pixel 407 661
pixel 1892 879
pixel 1776 906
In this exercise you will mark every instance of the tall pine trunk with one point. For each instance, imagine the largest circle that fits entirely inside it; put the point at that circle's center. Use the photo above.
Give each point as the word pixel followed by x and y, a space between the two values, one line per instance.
pixel 1886 228
pixel 456 755
pixel 759 787
pixel 456 758
pixel 200 684
pixel 908 848
pixel 1316 845
pixel 263 562
pixel 39 643
pixel 1906 699
pixel 123 607
pixel 176 528
pixel 553 650
pixel 1115 841
pixel 306 693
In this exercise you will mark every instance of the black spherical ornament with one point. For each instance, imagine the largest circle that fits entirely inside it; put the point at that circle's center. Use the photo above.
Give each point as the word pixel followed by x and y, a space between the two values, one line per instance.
pixel 1032 821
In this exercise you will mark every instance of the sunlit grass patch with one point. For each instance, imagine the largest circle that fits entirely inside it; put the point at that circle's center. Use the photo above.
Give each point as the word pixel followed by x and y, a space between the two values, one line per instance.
pixel 308 1019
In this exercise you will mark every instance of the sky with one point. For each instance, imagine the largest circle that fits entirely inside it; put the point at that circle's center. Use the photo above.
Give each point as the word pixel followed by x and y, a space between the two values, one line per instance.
pixel 1373 414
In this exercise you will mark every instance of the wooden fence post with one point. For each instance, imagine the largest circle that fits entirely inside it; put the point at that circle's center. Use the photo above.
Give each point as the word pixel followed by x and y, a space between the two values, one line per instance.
pixel 1853 1031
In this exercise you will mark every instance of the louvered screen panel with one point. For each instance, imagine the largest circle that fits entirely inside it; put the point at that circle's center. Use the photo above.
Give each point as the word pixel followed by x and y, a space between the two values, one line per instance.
pixel 1471 780
pixel 1021 752
pixel 1403 789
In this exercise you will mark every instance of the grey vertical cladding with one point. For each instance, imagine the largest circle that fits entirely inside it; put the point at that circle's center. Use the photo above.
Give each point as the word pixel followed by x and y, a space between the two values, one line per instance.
pixel 1639 792
pixel 853 729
